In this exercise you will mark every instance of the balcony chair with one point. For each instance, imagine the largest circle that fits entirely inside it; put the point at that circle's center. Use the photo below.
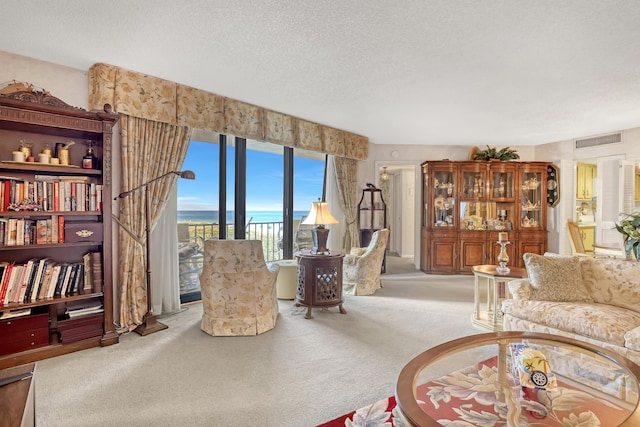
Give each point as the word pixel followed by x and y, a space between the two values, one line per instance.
pixel 361 267
pixel 190 258
pixel 599 251
pixel 238 289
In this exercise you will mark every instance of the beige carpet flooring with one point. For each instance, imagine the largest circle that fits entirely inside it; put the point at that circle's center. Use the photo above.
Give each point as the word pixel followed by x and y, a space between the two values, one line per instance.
pixel 301 373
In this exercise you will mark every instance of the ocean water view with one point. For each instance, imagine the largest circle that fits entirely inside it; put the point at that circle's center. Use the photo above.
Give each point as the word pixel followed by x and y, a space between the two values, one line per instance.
pixel 212 217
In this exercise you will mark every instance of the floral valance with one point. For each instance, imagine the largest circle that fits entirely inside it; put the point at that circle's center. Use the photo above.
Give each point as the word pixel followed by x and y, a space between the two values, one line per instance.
pixel 149 97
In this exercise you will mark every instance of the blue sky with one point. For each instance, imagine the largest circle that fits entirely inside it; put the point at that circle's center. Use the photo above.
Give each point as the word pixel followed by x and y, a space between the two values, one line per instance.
pixel 264 180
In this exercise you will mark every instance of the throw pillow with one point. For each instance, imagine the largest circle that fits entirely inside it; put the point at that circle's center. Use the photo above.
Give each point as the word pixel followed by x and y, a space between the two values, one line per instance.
pixel 555 278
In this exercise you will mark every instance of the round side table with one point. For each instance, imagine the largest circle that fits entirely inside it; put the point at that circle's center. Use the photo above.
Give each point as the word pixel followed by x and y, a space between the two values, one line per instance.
pixel 319 280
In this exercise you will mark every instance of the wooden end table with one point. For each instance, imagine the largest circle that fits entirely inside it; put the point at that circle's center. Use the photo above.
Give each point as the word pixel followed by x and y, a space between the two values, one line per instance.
pixel 496 290
pixel 319 280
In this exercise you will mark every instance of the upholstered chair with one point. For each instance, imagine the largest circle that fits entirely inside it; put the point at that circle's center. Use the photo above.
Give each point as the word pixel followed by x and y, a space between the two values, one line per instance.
pixel 361 267
pixel 238 289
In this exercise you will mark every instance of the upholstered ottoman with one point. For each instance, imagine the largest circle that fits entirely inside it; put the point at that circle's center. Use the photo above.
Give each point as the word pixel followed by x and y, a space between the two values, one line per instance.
pixel 287 283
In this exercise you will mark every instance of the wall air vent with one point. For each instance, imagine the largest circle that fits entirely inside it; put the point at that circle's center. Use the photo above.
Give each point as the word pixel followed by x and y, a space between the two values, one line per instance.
pixel 599 140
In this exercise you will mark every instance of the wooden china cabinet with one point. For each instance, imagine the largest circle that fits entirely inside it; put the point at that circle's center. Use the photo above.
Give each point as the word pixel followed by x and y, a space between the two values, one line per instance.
pixel 61 212
pixel 465 205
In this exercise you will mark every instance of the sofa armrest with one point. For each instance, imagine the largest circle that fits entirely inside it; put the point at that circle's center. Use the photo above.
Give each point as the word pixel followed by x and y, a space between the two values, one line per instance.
pixel 520 289
pixel 350 259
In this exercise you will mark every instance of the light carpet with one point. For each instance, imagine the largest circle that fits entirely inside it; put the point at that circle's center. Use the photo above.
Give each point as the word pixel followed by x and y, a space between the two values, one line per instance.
pixel 302 373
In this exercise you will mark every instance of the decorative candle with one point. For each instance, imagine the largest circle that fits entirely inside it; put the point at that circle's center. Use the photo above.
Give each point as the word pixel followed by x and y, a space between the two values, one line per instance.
pixel 503 237
pixel 18 156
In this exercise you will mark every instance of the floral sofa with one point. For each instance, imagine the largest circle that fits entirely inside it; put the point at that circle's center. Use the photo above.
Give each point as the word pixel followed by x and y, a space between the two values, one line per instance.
pixel 596 300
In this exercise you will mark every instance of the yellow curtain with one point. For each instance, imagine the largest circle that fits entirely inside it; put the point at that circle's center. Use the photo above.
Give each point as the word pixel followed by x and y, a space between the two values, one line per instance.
pixel 347 180
pixel 148 149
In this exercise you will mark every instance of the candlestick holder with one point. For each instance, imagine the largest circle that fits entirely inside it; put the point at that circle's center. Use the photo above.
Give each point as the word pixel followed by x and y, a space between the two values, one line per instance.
pixel 503 258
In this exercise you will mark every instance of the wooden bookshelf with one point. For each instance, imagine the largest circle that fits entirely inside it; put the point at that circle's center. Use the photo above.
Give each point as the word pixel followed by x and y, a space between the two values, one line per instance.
pixel 44 122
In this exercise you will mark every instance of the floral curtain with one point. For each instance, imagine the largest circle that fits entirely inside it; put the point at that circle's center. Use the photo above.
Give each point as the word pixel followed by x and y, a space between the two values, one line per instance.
pixel 346 178
pixel 149 149
pixel 141 95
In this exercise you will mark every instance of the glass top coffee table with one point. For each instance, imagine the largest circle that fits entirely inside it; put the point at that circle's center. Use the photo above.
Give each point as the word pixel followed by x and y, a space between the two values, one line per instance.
pixel 518 379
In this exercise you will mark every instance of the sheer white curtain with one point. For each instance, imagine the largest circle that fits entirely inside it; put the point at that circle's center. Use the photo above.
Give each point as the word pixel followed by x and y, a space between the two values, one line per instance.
pixel 164 258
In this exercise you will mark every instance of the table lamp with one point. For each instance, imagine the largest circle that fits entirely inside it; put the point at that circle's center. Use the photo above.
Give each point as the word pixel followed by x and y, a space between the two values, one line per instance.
pixel 320 216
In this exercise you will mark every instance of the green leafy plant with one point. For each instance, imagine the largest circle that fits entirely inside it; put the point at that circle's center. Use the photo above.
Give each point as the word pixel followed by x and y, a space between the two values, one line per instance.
pixel 492 153
pixel 630 230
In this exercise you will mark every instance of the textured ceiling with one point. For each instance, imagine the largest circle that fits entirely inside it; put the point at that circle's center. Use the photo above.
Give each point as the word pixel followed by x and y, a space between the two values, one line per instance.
pixel 475 72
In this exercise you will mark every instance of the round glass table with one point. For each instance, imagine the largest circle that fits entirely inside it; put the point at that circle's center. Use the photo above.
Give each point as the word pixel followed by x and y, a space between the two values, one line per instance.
pixel 518 379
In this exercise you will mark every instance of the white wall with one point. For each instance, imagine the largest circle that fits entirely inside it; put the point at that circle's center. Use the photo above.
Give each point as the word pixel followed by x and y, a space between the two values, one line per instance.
pixel 408 197
pixel 68 84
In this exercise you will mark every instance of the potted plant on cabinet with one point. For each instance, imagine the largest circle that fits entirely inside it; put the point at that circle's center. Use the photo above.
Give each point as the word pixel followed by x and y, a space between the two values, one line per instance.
pixel 491 153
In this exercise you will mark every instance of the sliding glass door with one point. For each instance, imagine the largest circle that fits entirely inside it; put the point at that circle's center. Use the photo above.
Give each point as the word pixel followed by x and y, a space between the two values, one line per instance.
pixel 244 189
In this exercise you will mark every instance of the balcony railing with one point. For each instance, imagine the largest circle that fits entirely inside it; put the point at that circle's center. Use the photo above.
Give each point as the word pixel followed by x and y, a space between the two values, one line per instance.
pixel 268 232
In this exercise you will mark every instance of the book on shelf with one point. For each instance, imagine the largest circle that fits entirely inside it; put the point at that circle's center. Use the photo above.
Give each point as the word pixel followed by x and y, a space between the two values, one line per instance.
pixel 38 278
pixel 41 231
pixel 22 283
pixel 14 282
pixel 76 274
pixel 53 230
pixel 3 230
pixel 85 287
pixel 55 275
pixel 96 272
pixel 29 232
pixel 5 268
pixel 83 307
pixel 6 194
pixel 25 291
pixel 12 231
pixel 19 231
pixel 60 228
pixel 11 314
pixel 46 280
pixel 67 279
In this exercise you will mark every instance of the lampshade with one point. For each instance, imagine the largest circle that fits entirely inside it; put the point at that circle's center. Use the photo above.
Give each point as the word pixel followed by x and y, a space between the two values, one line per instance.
pixel 319 215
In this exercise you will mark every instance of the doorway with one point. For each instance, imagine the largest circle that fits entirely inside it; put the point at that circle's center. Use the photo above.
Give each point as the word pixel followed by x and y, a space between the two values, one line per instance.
pixel 399 192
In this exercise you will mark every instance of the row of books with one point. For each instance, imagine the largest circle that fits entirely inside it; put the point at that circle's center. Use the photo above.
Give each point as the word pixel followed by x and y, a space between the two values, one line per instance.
pixel 44 278
pixel 51 194
pixel 25 231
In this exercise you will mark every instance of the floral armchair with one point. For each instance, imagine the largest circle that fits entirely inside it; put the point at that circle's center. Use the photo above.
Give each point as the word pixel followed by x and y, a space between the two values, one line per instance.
pixel 361 267
pixel 238 289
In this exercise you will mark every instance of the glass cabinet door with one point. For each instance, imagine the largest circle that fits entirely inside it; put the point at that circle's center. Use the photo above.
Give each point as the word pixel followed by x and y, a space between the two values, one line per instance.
pixel 473 183
pixel 444 194
pixel 502 182
pixel 532 200
pixel 501 207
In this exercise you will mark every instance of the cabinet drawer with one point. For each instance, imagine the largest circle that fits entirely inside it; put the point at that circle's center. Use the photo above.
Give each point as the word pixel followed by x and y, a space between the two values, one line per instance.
pixel 532 235
pixel 23 340
pixel 80 328
pixel 82 231
pixel 435 235
pixel 17 324
pixel 473 235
